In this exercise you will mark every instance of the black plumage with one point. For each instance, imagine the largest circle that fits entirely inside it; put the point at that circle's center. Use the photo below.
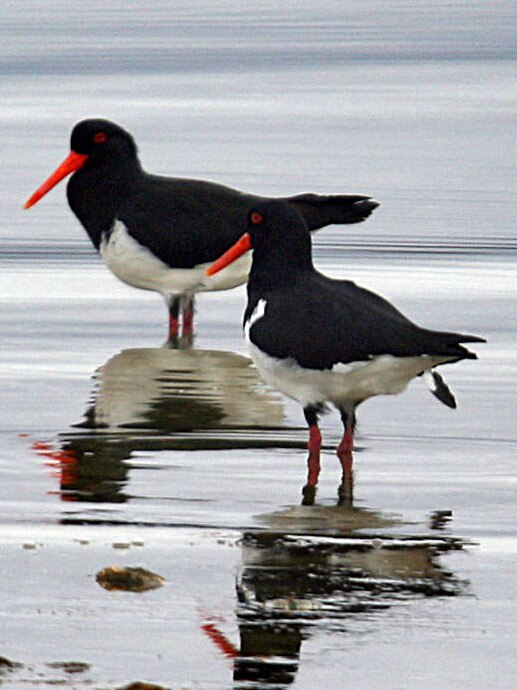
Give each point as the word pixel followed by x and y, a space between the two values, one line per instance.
pixel 183 222
pixel 321 340
pixel 326 321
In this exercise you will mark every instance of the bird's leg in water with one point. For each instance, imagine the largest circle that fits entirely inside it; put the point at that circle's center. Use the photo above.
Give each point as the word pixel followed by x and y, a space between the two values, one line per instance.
pixel 313 461
pixel 345 490
pixel 344 453
pixel 184 305
pixel 188 316
pixel 173 302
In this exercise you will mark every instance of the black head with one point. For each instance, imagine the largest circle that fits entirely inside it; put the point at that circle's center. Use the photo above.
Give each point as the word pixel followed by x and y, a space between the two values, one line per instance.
pixel 101 139
pixel 281 242
pixel 100 149
pixel 276 221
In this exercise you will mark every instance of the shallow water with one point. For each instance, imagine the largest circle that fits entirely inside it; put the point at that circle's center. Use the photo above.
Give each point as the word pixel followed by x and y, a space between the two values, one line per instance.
pixel 119 451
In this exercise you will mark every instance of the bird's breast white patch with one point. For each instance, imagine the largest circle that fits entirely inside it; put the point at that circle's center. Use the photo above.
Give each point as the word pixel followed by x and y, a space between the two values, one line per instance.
pixel 257 314
pixel 136 265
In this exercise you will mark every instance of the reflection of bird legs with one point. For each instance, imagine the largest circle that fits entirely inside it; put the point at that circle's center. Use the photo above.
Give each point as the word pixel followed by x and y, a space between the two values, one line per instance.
pixel 343 451
pixel 185 304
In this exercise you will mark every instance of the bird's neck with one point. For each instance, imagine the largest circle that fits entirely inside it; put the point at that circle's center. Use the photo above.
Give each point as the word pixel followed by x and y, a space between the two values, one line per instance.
pixel 280 264
pixel 97 193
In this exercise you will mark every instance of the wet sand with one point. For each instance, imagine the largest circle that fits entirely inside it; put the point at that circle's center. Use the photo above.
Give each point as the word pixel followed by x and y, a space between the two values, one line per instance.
pixel 142 456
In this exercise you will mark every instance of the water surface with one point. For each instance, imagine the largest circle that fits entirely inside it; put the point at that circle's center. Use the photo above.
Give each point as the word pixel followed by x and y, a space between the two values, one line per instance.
pixel 119 451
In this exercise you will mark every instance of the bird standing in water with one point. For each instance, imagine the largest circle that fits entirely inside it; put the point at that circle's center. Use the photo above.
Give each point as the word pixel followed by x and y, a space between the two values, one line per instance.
pixel 319 340
pixel 160 233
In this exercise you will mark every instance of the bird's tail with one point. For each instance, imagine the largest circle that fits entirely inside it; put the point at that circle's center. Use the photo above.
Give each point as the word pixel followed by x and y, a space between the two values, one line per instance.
pixel 338 209
pixel 450 344
pixel 439 388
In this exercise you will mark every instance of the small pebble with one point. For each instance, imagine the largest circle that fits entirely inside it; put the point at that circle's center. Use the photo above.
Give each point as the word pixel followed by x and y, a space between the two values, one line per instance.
pixel 7 664
pixel 128 579
pixel 140 685
pixel 70 666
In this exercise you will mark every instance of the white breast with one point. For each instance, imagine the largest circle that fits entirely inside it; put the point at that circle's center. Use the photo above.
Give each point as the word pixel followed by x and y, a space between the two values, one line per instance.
pixel 257 314
pixel 136 265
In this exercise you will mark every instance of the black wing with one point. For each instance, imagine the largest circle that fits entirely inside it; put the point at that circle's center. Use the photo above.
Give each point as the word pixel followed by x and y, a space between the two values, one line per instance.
pixel 187 222
pixel 320 322
pixel 319 210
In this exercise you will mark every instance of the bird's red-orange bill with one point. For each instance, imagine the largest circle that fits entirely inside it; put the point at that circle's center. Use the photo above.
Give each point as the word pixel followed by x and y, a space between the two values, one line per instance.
pixel 242 246
pixel 72 162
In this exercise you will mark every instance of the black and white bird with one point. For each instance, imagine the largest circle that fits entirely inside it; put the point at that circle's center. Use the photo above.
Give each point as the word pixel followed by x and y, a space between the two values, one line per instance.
pixel 160 233
pixel 319 340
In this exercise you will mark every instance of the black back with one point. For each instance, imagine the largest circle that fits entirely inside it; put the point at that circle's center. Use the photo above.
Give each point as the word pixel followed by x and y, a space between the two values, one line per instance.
pixel 184 222
pixel 319 321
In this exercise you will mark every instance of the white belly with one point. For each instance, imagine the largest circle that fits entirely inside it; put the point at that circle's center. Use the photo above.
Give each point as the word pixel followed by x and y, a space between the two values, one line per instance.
pixel 355 382
pixel 136 265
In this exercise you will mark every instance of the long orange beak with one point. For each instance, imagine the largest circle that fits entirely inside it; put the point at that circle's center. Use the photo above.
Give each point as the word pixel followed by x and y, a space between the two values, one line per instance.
pixel 239 248
pixel 72 162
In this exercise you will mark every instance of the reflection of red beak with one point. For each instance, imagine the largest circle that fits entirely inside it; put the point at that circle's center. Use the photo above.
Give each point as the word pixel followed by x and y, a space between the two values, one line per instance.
pixel 220 641
pixel 65 461
pixel 72 162
pixel 238 249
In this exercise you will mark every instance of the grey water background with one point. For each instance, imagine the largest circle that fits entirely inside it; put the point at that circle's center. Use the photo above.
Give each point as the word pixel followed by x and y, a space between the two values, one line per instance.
pixel 179 454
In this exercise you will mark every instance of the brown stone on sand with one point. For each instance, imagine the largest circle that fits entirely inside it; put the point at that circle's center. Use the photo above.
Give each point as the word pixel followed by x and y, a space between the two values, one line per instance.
pixel 115 578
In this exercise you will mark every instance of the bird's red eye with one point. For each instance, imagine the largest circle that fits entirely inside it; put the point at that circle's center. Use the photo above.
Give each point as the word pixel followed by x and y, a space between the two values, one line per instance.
pixel 256 218
pixel 100 137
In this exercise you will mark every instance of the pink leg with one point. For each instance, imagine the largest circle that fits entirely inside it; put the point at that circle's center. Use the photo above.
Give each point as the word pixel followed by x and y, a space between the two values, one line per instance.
pixel 185 326
pixel 174 327
pixel 188 317
pixel 187 331
pixel 346 459
pixel 347 442
pixel 313 461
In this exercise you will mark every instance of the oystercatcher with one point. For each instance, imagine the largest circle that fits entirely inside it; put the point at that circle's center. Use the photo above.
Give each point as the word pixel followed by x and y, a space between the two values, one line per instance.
pixel 160 233
pixel 320 340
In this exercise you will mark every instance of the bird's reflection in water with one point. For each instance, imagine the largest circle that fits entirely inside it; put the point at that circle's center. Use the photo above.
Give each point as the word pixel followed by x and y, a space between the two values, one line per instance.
pixel 323 566
pixel 172 390
pixel 152 399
